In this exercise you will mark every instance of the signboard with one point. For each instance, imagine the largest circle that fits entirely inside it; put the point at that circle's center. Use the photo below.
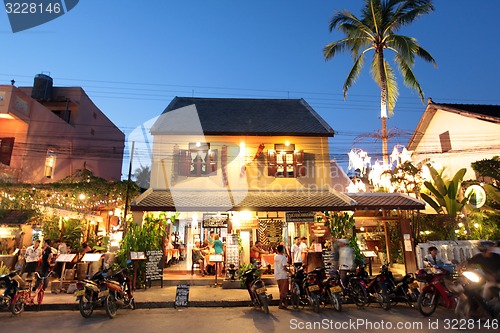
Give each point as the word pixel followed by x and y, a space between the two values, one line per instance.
pixel 182 295
pixel 216 258
pixel 270 230
pixel 137 256
pixel 476 195
pixel 65 257
pixel 215 220
pixel 300 216
pixel 154 265
pixel 91 257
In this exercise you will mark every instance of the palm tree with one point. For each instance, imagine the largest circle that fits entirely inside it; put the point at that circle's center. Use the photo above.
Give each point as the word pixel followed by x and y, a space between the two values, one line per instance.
pixel 142 176
pixel 375 31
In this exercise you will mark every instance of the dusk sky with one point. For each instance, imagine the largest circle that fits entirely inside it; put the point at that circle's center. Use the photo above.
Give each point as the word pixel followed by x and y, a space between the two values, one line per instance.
pixel 133 57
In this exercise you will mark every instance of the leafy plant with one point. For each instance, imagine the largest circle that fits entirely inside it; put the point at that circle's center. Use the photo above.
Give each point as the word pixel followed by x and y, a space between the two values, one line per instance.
pixel 50 228
pixel 444 197
pixel 4 269
pixel 341 226
pixel 73 233
pixel 243 268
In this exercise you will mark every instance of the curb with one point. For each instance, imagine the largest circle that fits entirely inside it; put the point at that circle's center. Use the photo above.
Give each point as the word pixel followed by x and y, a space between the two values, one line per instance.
pixel 153 305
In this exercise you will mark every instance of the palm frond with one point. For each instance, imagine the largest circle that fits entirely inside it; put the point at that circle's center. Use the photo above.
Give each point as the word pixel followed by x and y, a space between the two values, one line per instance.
pixel 330 50
pixel 391 86
pixel 405 46
pixel 354 73
pixel 422 53
pixel 409 78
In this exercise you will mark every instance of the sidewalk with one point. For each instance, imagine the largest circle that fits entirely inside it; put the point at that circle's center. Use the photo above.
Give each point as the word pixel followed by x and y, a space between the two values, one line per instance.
pixel 157 297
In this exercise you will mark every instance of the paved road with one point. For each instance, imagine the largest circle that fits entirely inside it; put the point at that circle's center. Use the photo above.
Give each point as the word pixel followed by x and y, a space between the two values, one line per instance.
pixel 237 319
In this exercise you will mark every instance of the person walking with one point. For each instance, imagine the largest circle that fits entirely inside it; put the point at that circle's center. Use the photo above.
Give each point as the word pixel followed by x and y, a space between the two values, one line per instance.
pixel 219 249
pixel 346 258
pixel 33 255
pixel 46 257
pixel 281 276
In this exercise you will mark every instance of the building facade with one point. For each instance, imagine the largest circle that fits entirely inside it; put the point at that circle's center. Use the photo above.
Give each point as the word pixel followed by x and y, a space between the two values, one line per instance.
pixel 456 135
pixel 47 133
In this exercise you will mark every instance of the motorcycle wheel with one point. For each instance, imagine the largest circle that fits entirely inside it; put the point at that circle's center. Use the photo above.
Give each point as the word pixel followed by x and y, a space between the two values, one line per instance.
pixel 111 306
pixel 358 294
pixel 263 303
pixel 132 304
pixel 462 309
pixel 85 306
pixel 335 300
pixel 427 302
pixel 17 306
pixel 412 297
pixel 383 300
pixel 295 295
pixel 314 299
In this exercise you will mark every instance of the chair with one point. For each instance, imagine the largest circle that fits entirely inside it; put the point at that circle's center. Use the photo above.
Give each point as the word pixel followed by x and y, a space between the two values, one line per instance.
pixel 194 263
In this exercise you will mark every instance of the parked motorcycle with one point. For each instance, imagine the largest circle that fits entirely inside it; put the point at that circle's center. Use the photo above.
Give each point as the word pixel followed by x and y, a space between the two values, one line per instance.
pixel 92 293
pixel 376 287
pixel 436 291
pixel 257 289
pixel 313 287
pixel 120 292
pixel 471 301
pixel 354 289
pixel 333 289
pixel 13 282
pixel 401 290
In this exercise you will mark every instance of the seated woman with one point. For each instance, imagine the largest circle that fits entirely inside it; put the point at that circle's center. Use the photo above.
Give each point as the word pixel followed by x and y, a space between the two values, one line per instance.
pixel 198 257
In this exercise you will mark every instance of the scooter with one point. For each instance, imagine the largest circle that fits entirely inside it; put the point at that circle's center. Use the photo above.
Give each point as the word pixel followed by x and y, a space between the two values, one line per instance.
pixel 257 289
pixel 120 292
pixel 435 290
pixel 92 293
pixel 312 285
pixel 401 290
pixel 13 282
pixel 333 289
pixel 471 301
pixel 376 287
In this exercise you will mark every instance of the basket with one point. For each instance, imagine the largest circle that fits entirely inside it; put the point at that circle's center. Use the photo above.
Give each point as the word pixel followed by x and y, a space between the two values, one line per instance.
pixel 423 275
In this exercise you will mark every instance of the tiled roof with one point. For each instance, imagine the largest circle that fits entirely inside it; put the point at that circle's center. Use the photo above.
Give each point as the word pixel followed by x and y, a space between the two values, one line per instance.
pixel 376 201
pixel 478 109
pixel 247 116
pixel 221 200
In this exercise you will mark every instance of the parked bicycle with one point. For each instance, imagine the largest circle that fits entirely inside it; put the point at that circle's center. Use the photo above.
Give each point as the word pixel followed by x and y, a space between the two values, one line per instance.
pixel 30 295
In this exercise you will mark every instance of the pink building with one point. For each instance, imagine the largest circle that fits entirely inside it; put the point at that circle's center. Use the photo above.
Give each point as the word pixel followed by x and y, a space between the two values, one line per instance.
pixel 47 133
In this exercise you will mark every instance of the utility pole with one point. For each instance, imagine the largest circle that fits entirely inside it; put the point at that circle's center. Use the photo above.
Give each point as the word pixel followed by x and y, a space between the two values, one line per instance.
pixel 128 188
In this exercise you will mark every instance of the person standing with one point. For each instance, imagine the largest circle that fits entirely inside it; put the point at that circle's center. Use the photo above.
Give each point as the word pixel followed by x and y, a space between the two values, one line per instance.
pixel 281 276
pixel 219 249
pixel 297 253
pixel 46 257
pixel 33 255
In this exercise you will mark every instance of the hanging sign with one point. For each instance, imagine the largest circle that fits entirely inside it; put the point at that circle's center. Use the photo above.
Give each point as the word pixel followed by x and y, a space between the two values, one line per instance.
pixel 215 220
pixel 476 195
pixel 300 216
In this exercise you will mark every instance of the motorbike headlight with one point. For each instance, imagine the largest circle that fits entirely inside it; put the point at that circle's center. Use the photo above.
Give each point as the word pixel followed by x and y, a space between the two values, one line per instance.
pixel 472 276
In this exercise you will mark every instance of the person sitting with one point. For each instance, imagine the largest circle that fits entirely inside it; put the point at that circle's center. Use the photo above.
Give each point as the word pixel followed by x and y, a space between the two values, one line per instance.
pixel 256 251
pixel 433 258
pixel 198 257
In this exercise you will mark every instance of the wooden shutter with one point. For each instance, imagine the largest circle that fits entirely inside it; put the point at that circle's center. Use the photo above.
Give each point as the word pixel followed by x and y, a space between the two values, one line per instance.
pixel 212 162
pixel 6 148
pixel 184 162
pixel 299 164
pixel 271 163
pixel 223 161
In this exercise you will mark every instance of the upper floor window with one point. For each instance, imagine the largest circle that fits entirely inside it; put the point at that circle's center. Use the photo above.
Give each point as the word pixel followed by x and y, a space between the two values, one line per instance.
pixel 197 161
pixel 285 161
pixel 50 164
pixel 6 148
pixel 445 141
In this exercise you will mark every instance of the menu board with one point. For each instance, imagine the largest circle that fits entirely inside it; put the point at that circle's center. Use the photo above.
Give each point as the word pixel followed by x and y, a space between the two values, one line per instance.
pixel 215 220
pixel 182 295
pixel 154 265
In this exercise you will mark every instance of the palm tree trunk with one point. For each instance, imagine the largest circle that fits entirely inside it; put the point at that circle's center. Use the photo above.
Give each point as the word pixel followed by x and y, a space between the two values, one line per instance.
pixel 383 105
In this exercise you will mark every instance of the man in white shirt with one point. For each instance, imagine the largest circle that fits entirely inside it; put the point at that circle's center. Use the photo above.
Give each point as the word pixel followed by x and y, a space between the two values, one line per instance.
pixel 297 250
pixel 33 254
pixel 281 276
